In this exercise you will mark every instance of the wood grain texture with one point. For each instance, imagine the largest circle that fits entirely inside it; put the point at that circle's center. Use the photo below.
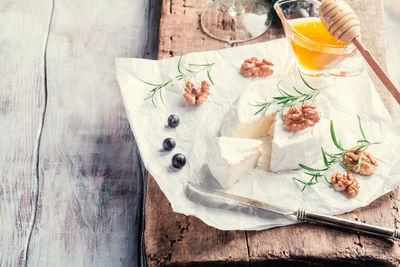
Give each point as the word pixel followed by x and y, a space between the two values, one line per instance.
pixel 297 245
pixel 23 31
pixel 61 114
pixel 178 15
pixel 89 186
pixel 169 236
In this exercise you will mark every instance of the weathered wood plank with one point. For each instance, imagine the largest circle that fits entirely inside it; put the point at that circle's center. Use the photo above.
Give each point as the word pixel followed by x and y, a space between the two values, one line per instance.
pixel 170 238
pixel 180 33
pixel 177 15
pixel 23 31
pixel 89 180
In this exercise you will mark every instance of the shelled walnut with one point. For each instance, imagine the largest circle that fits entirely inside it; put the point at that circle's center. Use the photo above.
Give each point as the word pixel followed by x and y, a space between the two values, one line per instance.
pixel 353 188
pixel 254 67
pixel 367 162
pixel 341 182
pixel 299 118
pixel 197 96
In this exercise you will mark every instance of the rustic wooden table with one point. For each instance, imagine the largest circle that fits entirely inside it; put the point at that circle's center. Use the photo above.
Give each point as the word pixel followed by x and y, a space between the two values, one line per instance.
pixel 174 239
pixel 70 176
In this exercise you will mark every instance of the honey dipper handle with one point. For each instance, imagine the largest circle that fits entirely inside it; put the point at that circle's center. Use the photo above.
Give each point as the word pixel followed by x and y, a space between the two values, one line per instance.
pixel 377 69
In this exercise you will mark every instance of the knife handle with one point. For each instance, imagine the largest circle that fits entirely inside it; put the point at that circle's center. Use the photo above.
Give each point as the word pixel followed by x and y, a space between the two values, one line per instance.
pixel 303 215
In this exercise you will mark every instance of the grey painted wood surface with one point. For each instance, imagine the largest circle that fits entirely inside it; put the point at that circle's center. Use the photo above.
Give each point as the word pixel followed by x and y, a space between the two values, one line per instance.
pixel 23 31
pixel 392 23
pixel 70 173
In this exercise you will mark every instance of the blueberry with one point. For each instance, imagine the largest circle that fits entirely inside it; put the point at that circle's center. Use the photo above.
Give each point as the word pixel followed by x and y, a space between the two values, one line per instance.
pixel 173 121
pixel 169 144
pixel 178 161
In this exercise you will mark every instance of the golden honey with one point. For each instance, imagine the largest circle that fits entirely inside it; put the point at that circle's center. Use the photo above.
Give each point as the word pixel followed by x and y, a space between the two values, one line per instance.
pixel 316 49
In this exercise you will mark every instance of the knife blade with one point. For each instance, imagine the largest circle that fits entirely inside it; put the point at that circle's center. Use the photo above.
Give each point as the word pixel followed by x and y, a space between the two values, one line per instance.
pixel 237 199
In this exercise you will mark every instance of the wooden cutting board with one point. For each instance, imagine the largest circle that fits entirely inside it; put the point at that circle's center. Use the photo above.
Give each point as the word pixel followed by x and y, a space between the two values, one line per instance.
pixel 175 239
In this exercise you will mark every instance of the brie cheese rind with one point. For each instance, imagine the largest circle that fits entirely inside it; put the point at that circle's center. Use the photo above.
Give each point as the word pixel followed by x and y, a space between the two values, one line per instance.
pixel 232 158
pixel 240 120
pixel 291 148
pixel 288 149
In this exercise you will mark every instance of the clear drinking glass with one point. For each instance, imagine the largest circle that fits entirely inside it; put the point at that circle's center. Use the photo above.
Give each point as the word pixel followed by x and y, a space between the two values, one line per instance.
pixel 317 52
pixel 236 21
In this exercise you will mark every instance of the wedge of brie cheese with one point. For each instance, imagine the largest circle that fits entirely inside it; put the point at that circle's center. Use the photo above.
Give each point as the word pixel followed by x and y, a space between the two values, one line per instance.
pixel 291 148
pixel 240 120
pixel 232 158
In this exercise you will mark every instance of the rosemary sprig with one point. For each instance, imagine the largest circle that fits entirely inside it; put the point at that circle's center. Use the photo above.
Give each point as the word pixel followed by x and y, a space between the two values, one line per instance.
pixel 184 73
pixel 315 174
pixel 288 100
pixel 331 159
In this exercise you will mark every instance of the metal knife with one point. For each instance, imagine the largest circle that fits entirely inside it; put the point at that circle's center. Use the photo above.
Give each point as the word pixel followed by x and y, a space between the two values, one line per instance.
pixel 301 214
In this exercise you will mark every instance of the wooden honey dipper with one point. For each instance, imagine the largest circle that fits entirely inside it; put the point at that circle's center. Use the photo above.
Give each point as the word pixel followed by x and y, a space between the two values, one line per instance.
pixel 343 23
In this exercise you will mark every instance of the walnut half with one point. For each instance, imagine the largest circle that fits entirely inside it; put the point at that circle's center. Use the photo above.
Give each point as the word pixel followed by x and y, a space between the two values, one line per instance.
pixel 368 162
pixel 299 118
pixel 347 181
pixel 340 181
pixel 254 67
pixel 353 188
pixel 197 96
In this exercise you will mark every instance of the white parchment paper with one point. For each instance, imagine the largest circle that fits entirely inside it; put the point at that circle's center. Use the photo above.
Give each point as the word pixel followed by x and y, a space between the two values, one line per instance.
pixel 199 124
